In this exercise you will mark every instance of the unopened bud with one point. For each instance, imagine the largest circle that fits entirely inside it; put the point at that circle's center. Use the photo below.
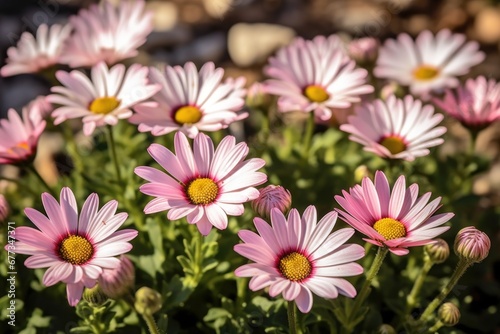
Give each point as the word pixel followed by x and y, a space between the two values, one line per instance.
pixel 472 244
pixel 272 197
pixel 386 329
pixel 117 282
pixel 94 296
pixel 438 252
pixel 449 314
pixel 147 301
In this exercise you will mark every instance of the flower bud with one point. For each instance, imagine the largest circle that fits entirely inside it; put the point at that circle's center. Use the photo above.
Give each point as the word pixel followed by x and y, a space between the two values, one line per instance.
pixel 117 282
pixel 438 252
pixel 449 314
pixel 386 329
pixel 147 301
pixel 94 296
pixel 4 208
pixel 364 50
pixel 272 197
pixel 472 244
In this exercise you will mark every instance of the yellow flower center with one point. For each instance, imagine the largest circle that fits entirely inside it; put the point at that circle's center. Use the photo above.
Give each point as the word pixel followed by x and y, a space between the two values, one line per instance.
pixel 187 115
pixel 295 266
pixel 425 72
pixel 21 145
pixel 104 105
pixel 394 144
pixel 316 93
pixel 76 249
pixel 390 228
pixel 202 191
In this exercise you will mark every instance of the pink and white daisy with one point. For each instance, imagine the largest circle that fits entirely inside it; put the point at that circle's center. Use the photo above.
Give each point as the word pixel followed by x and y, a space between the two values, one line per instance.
pixel 475 104
pixel 19 136
pixel 297 256
pixel 104 98
pixel 396 220
pixel 107 33
pixel 396 128
pixel 191 101
pixel 315 76
pixel 430 63
pixel 33 55
pixel 203 185
pixel 75 248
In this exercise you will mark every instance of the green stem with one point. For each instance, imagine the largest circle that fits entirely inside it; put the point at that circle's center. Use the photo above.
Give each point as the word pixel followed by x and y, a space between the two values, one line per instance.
pixel 365 289
pixel 33 170
pixel 308 133
pixel 435 328
pixel 112 150
pixel 473 139
pixel 74 153
pixel 459 271
pixel 411 299
pixel 292 317
pixel 150 321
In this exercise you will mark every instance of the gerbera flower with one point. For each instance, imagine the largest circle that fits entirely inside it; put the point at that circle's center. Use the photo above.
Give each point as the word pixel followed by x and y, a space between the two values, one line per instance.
pixel 19 136
pixel 396 220
pixel 431 63
pixel 33 55
pixel 395 128
pixel 191 101
pixel 315 76
pixel 107 33
pixel 475 104
pixel 298 257
pixel 75 248
pixel 104 98
pixel 203 185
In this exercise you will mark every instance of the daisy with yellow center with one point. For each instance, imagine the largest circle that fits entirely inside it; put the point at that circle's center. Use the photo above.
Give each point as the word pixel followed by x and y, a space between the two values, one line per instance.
pixel 298 256
pixel 75 248
pixel 315 76
pixel 202 184
pixel 396 220
pixel 104 98
pixel 428 64
pixel 396 128
pixel 191 101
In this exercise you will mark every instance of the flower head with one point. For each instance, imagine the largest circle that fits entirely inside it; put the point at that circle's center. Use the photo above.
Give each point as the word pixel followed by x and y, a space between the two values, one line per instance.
pixel 107 33
pixel 33 55
pixel 315 76
pixel 475 104
pixel 472 244
pixel 75 248
pixel 449 314
pixel 297 256
pixel 272 197
pixel 190 101
pixel 395 128
pixel 430 63
pixel 19 136
pixel 117 282
pixel 202 184
pixel 104 98
pixel 396 220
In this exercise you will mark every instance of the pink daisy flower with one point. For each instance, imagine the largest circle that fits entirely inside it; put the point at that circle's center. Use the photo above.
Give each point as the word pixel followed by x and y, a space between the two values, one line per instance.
pixel 190 101
pixel 107 33
pixel 297 257
pixel 315 76
pixel 75 248
pixel 475 104
pixel 430 63
pixel 104 98
pixel 19 136
pixel 203 185
pixel 395 128
pixel 396 220
pixel 33 55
